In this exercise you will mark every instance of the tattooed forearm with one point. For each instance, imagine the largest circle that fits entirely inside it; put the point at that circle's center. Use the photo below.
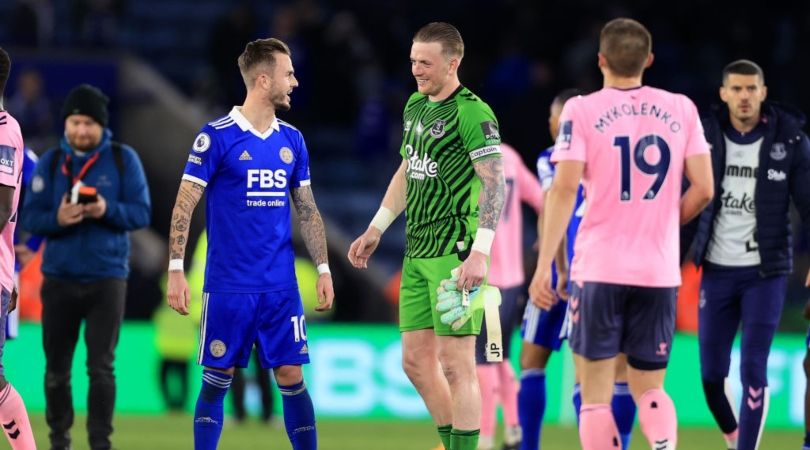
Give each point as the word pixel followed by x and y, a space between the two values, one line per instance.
pixel 312 229
pixel 187 198
pixel 490 171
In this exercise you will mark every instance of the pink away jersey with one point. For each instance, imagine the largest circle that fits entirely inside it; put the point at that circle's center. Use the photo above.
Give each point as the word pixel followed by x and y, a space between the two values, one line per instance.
pixel 633 143
pixel 506 257
pixel 11 161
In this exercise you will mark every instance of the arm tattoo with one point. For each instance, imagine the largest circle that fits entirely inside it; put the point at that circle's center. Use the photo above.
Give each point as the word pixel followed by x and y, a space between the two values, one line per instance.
pixel 312 229
pixel 490 171
pixel 187 198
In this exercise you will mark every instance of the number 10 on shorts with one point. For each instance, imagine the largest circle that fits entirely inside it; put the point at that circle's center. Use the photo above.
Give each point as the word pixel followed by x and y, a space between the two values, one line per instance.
pixel 299 327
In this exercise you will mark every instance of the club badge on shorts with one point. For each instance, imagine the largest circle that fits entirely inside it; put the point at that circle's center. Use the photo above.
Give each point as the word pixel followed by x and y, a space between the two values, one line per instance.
pixel 217 348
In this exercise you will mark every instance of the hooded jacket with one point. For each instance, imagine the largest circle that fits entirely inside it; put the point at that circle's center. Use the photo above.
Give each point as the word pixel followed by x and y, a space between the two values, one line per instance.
pixel 93 249
pixel 783 175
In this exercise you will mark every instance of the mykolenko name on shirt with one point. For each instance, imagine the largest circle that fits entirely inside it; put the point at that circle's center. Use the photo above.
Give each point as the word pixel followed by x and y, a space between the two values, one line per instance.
pixel 606 119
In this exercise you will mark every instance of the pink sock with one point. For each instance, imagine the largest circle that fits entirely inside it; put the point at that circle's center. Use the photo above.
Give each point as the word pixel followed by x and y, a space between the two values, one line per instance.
pixel 488 382
pixel 656 415
pixel 597 429
pixel 509 392
pixel 15 421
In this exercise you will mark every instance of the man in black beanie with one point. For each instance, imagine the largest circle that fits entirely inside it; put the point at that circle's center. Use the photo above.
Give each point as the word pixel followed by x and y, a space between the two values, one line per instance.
pixel 85 197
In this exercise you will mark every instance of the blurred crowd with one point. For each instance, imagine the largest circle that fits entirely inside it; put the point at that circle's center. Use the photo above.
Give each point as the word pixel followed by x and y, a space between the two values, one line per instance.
pixel 351 57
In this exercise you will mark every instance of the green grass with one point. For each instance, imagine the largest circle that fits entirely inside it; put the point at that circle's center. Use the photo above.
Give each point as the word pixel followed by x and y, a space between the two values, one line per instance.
pixel 173 432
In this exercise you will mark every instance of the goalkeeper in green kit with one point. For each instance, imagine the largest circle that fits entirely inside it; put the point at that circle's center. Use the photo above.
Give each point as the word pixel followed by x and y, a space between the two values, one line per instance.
pixel 450 185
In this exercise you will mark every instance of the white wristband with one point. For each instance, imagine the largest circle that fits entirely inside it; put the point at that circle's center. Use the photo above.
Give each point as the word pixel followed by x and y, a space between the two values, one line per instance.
pixel 176 265
pixel 323 268
pixel 483 240
pixel 383 219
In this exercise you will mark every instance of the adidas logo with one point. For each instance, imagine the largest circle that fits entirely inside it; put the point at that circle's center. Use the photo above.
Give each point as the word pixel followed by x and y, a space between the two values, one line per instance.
pixel 245 156
pixel 304 350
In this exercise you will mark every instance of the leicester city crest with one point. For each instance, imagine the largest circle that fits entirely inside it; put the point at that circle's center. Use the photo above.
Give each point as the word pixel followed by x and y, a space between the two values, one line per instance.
pixel 217 348
pixel 286 155
pixel 778 151
pixel 437 130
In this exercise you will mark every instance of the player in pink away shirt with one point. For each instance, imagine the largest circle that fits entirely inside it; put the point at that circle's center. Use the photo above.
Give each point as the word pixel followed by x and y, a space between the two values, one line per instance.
pixel 497 380
pixel 13 415
pixel 630 145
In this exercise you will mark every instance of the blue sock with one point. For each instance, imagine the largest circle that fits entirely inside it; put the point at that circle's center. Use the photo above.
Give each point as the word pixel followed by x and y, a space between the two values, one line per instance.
pixel 807 440
pixel 208 414
pixel 624 412
pixel 576 399
pixel 299 416
pixel 531 406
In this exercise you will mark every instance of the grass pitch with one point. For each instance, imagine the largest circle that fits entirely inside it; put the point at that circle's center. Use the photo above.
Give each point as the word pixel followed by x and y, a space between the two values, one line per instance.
pixel 174 432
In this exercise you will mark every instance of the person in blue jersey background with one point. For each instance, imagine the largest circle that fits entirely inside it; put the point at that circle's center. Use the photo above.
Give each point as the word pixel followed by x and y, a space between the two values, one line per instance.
pixel 248 162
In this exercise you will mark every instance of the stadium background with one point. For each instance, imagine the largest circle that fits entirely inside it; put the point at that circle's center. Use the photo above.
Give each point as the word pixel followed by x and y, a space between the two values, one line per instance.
pixel 169 67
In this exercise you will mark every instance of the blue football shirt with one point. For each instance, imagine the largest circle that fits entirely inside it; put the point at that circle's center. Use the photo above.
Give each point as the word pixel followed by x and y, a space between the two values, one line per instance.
pixel 545 171
pixel 248 176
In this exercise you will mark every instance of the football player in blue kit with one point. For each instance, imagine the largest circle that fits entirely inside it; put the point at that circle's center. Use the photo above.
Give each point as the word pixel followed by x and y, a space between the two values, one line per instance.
pixel 251 164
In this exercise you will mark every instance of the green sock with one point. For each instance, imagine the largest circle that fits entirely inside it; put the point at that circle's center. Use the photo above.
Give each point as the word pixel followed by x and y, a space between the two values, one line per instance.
pixel 464 439
pixel 444 435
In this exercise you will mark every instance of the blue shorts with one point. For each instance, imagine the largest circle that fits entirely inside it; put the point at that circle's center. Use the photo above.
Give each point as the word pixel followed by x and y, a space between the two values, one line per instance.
pixel 232 323
pixel 610 318
pixel 544 328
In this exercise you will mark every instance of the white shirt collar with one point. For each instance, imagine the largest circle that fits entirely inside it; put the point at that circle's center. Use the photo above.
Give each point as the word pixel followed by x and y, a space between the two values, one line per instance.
pixel 245 125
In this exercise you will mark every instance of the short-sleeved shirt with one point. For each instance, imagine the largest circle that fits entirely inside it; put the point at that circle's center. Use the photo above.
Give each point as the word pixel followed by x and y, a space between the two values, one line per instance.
pixel 248 176
pixel 545 172
pixel 506 256
pixel 440 142
pixel 634 143
pixel 11 162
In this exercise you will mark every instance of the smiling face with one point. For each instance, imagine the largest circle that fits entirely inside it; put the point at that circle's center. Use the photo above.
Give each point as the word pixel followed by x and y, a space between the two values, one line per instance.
pixel 281 82
pixel 431 69
pixel 744 95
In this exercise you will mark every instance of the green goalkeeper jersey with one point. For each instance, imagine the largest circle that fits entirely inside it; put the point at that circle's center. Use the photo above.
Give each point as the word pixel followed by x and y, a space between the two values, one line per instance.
pixel 440 142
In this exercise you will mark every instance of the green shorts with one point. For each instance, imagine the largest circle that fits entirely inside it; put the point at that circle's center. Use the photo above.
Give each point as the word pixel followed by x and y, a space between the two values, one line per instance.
pixel 417 296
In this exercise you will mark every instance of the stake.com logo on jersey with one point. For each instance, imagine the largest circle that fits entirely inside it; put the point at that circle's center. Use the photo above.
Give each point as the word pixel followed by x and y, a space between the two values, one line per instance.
pixel 419 168
pixel 260 179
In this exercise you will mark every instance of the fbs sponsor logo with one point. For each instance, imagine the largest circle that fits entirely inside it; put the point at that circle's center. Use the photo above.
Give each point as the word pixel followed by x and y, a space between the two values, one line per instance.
pixel 420 167
pixel 776 175
pixel 194 159
pixel 491 133
pixel 245 156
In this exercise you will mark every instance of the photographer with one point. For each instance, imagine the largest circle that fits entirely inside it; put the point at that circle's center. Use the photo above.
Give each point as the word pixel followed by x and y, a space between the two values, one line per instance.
pixel 86 195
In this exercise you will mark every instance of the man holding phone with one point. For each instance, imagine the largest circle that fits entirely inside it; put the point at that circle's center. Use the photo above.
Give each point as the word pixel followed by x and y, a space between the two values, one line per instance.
pixel 85 197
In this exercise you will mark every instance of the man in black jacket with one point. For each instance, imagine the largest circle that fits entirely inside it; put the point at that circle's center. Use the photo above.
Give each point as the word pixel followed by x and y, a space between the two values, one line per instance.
pixel 761 159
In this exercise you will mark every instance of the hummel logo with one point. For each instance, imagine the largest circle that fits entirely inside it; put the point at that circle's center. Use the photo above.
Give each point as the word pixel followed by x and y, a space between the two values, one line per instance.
pixel 245 156
pixel 12 430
